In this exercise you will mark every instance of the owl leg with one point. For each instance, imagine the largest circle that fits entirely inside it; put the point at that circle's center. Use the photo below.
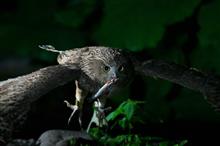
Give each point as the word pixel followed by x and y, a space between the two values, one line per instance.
pixel 99 114
pixel 80 97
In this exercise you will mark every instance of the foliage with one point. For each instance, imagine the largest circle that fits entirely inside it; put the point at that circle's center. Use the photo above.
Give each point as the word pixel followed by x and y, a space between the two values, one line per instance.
pixel 126 110
pixel 72 142
pixel 125 117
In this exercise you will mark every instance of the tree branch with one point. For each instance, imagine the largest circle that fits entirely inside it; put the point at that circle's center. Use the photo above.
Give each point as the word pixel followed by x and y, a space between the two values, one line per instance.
pixel 207 84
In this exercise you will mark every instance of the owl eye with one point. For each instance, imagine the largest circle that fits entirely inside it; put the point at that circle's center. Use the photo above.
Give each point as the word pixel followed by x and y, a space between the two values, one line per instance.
pixel 106 68
pixel 121 68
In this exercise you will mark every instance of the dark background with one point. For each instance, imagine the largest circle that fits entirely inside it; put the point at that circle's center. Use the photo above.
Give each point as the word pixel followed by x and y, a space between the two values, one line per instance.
pixel 186 32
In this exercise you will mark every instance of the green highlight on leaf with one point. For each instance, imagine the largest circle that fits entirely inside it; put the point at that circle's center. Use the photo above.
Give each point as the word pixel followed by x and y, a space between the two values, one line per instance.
pixel 126 109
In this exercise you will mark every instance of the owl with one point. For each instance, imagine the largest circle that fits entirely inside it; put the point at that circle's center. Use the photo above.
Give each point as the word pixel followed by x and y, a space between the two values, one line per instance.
pixel 96 70
pixel 103 71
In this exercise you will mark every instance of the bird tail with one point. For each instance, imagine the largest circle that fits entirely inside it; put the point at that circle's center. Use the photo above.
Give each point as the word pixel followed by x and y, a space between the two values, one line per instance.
pixel 49 48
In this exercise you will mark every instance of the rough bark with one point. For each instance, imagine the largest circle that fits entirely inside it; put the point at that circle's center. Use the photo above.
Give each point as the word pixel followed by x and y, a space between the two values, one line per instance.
pixel 17 94
pixel 207 84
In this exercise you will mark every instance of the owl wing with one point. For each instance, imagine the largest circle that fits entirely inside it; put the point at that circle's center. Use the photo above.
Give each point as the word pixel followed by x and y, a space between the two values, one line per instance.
pixel 207 84
pixel 23 90
pixel 69 58
pixel 72 56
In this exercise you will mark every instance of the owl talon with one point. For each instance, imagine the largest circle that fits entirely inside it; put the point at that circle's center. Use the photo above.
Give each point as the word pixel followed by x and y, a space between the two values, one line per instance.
pixel 72 107
pixel 98 115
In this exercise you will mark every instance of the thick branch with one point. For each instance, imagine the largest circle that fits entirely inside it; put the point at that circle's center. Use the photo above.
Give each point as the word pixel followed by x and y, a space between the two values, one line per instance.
pixel 16 94
pixel 208 85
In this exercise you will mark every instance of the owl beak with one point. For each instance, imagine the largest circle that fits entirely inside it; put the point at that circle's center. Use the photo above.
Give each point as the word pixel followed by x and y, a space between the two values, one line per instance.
pixel 113 80
pixel 104 89
pixel 113 75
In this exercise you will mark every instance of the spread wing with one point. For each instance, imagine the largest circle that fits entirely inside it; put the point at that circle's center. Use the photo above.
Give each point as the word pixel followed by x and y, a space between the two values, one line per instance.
pixel 207 84
pixel 18 93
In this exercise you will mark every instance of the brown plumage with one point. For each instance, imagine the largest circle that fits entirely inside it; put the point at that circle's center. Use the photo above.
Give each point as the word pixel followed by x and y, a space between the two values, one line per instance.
pixel 92 68
pixel 98 67
pixel 17 94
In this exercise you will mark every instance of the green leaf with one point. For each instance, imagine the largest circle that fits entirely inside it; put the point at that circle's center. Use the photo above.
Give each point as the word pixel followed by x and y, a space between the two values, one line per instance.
pixel 137 139
pixel 182 143
pixel 129 108
pixel 72 142
pixel 96 133
pixel 206 57
pixel 119 139
pixel 140 24
pixel 165 143
pixel 126 108
pixel 123 123
pixel 114 114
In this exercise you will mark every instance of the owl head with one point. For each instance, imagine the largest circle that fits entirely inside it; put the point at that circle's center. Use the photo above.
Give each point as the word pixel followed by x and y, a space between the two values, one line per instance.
pixel 103 64
pixel 97 64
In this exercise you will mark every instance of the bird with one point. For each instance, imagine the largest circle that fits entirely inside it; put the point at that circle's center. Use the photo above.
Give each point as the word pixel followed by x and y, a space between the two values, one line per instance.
pixel 99 71
pixel 103 71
